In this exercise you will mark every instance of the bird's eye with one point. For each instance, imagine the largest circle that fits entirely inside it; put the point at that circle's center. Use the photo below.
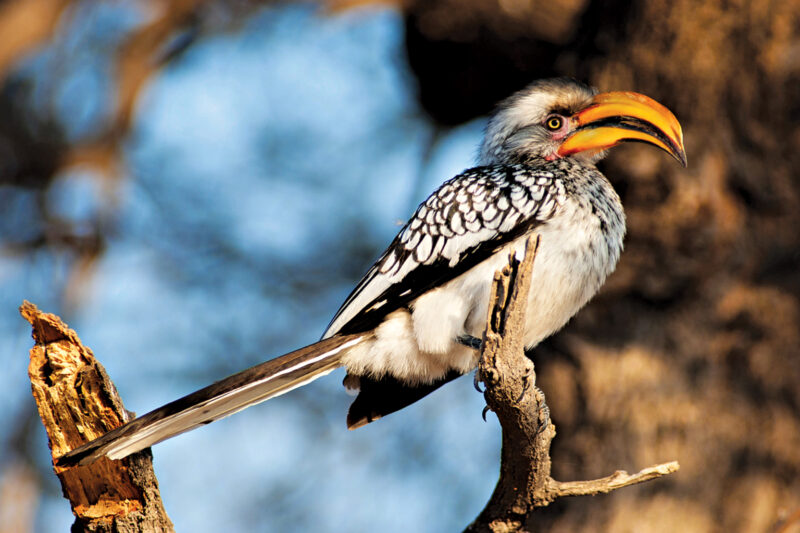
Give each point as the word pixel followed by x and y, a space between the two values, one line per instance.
pixel 554 122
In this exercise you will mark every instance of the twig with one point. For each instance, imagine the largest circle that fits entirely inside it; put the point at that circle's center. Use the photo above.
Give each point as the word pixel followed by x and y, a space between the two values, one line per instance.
pixel 615 481
pixel 77 402
pixel 511 392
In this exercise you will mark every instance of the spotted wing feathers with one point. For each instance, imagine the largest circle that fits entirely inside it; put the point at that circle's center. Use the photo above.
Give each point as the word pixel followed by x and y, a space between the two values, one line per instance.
pixel 461 224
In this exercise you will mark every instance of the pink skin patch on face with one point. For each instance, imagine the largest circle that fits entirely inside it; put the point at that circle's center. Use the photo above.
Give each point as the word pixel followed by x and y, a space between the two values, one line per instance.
pixel 559 134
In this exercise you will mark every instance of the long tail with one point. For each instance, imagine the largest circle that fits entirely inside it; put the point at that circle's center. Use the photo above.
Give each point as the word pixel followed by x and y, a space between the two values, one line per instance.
pixel 216 401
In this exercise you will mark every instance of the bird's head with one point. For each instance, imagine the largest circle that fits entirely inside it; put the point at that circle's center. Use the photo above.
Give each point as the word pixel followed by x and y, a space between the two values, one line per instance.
pixel 553 119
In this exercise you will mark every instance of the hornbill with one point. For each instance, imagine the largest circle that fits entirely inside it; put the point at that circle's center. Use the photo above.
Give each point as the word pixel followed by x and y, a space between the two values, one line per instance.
pixel 412 323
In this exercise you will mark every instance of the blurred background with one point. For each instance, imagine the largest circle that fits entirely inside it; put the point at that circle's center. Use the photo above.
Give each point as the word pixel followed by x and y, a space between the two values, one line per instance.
pixel 195 186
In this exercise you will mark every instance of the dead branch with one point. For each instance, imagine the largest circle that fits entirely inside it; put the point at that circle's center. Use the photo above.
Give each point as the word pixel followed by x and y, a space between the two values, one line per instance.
pixel 511 392
pixel 77 402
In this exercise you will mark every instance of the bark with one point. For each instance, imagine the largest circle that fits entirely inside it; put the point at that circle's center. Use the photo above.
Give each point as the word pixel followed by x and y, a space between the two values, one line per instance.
pixel 77 402
pixel 511 392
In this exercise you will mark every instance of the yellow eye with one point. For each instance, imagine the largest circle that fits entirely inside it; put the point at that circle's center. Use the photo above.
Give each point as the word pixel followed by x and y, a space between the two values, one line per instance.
pixel 554 123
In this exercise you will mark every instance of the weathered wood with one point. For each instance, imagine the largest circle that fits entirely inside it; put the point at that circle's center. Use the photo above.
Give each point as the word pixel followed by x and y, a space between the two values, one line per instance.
pixel 77 402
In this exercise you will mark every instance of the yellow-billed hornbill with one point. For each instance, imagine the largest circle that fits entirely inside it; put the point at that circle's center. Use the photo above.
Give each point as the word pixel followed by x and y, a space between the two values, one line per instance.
pixel 408 326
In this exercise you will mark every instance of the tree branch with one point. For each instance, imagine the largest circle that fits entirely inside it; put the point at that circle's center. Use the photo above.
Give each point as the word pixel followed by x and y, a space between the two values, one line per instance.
pixel 77 402
pixel 511 392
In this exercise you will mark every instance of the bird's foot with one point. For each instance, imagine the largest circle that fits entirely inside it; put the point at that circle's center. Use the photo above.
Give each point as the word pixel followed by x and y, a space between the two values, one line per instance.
pixel 476 344
pixel 526 384
pixel 544 410
pixel 470 342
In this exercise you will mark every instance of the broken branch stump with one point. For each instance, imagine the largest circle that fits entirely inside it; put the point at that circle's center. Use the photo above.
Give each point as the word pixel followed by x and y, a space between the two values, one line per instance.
pixel 77 402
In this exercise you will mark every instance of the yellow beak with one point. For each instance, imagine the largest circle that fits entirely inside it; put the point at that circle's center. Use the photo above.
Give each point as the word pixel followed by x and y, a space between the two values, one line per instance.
pixel 624 116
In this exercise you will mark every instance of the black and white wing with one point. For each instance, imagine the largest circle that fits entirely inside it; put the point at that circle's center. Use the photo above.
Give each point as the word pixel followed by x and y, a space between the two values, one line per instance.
pixel 460 225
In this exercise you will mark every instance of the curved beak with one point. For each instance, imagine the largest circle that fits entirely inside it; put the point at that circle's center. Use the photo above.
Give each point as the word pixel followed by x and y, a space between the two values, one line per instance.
pixel 615 117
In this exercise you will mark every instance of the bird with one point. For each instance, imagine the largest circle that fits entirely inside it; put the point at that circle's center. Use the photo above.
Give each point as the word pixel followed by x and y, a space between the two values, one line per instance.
pixel 415 320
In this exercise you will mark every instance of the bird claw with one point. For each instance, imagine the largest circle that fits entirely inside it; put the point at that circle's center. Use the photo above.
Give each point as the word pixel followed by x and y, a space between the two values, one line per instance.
pixel 543 408
pixel 476 344
pixel 526 384
pixel 483 413
pixel 476 380
pixel 544 411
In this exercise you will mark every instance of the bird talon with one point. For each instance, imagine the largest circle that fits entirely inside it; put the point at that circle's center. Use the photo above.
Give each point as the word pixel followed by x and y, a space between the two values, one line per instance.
pixel 476 381
pixel 543 425
pixel 483 413
pixel 526 384
pixel 544 411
